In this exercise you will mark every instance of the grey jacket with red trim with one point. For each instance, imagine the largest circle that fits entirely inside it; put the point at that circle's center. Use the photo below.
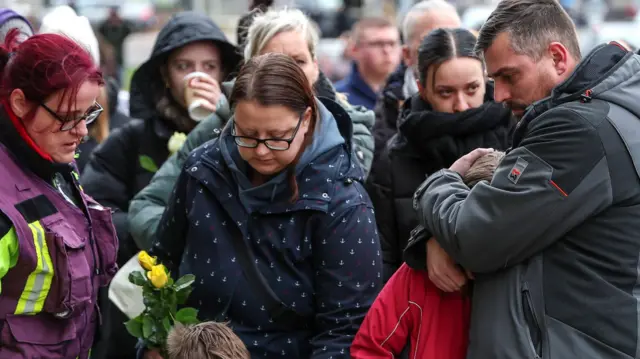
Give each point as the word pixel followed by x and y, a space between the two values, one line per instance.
pixel 554 239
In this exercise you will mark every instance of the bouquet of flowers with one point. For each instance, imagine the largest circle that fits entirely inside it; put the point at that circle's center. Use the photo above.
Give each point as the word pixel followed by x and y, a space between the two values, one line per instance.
pixel 162 296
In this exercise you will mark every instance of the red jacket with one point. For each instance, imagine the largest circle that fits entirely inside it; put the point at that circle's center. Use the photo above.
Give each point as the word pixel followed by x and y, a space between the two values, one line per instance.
pixel 412 309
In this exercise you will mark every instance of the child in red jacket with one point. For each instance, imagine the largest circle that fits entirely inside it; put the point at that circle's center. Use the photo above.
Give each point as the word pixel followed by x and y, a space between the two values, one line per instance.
pixel 410 309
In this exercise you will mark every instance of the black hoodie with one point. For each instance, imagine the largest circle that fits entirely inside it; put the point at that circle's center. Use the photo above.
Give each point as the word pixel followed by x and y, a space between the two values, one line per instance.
pixel 124 163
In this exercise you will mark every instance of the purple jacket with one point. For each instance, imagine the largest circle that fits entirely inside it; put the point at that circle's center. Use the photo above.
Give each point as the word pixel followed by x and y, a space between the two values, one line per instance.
pixel 48 302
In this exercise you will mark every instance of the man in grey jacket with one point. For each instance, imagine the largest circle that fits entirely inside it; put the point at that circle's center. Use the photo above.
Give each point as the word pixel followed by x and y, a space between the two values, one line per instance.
pixel 554 239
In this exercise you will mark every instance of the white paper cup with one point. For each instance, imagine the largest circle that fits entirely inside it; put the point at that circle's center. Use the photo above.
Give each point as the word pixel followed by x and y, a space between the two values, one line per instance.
pixel 195 105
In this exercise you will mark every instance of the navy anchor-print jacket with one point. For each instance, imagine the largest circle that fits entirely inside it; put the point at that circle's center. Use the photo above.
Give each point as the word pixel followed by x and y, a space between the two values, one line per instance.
pixel 320 255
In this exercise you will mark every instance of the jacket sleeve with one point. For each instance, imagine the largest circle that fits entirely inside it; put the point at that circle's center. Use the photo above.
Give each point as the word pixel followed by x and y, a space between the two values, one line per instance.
pixel 387 327
pixel 386 113
pixel 554 181
pixel 362 138
pixel 8 246
pixel 379 186
pixel 106 177
pixel 348 266
pixel 363 121
pixel 169 242
pixel 146 208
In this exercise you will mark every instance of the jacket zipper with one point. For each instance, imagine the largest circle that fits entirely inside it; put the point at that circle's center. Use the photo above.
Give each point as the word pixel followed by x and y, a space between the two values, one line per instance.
pixel 526 298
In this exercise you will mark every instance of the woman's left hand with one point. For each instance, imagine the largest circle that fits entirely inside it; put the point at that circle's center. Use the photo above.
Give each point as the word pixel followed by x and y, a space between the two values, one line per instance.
pixel 207 88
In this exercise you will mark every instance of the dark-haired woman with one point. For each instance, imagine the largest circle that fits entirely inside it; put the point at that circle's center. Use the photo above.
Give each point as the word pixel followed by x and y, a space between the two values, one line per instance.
pixel 452 114
pixel 278 193
pixel 57 245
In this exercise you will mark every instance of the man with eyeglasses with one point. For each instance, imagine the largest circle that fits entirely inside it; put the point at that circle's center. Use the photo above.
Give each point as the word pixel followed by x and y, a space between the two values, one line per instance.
pixel 375 48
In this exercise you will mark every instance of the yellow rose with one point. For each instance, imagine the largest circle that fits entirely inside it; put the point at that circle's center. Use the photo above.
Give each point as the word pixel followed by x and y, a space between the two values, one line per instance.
pixel 176 141
pixel 146 261
pixel 158 276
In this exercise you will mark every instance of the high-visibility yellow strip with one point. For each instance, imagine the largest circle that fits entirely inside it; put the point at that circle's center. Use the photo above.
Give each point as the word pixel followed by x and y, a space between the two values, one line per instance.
pixel 39 282
pixel 8 253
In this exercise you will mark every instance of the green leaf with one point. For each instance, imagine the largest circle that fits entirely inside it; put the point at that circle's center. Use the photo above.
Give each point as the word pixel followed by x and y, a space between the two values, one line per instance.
pixel 166 323
pixel 137 278
pixel 147 163
pixel 183 295
pixel 187 316
pixel 147 327
pixel 134 327
pixel 184 282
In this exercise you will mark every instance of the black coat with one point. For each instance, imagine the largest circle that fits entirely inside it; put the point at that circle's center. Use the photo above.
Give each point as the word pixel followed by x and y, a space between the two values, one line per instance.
pixel 387 110
pixel 426 141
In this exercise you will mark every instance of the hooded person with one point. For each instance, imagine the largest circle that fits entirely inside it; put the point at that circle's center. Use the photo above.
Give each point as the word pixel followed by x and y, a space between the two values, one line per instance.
pixel 125 163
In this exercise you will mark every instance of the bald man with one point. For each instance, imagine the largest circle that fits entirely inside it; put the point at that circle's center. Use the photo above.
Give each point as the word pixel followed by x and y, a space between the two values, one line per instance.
pixel 420 20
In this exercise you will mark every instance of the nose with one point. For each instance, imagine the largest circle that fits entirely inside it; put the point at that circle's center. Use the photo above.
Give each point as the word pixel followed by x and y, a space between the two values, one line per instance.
pixel 262 150
pixel 501 92
pixel 81 129
pixel 460 104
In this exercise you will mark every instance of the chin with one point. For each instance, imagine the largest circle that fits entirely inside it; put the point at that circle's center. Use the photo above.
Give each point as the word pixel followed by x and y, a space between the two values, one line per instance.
pixel 63 158
pixel 266 169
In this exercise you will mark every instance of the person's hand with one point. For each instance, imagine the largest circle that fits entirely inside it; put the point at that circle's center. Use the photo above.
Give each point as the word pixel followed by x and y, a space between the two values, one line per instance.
pixel 152 354
pixel 465 162
pixel 207 88
pixel 443 272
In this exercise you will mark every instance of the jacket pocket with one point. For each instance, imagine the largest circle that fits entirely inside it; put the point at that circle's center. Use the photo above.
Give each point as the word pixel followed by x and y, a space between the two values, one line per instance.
pixel 73 271
pixel 532 323
pixel 106 242
pixel 37 336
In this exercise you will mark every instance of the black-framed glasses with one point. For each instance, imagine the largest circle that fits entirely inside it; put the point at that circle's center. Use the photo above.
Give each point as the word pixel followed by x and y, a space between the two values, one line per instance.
pixel 276 144
pixel 70 123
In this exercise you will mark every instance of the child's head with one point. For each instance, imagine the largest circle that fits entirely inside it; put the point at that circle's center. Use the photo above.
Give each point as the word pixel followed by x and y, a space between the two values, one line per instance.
pixel 483 168
pixel 208 340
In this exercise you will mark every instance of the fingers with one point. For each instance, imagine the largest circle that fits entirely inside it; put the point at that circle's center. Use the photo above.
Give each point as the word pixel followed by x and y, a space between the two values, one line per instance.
pixel 204 83
pixel 211 97
pixel 205 86
pixel 448 283
pixel 477 153
pixel 442 282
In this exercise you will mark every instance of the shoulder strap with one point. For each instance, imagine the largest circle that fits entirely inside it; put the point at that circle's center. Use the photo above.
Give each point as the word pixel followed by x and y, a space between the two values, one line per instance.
pixel 279 311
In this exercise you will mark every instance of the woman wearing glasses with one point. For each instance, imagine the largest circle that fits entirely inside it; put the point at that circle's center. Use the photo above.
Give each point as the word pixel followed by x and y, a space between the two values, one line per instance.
pixel 57 245
pixel 273 211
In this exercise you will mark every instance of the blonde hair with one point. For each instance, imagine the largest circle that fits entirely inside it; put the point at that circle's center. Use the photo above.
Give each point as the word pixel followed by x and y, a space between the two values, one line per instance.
pixel 208 340
pixel 267 25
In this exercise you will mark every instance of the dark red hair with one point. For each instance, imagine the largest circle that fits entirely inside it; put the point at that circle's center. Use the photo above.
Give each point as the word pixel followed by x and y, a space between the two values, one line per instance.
pixel 43 65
